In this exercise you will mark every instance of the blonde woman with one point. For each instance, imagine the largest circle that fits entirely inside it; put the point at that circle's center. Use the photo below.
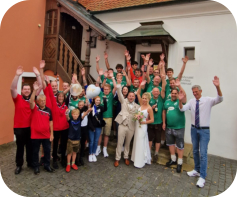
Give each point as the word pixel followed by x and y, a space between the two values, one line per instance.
pixel 141 154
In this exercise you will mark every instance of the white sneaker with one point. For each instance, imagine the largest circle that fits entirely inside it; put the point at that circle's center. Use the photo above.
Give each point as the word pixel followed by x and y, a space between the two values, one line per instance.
pixel 105 152
pixel 98 151
pixel 122 149
pixel 90 158
pixel 200 182
pixel 193 173
pixel 94 159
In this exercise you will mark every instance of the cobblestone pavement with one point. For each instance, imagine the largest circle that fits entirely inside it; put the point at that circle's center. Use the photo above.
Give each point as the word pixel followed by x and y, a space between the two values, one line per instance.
pixel 103 179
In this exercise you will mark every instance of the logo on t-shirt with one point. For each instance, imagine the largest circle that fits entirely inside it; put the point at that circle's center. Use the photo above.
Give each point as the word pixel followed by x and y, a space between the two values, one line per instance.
pixel 170 108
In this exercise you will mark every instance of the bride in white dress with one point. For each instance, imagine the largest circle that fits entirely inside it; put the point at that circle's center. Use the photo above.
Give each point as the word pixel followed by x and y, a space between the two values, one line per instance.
pixel 141 154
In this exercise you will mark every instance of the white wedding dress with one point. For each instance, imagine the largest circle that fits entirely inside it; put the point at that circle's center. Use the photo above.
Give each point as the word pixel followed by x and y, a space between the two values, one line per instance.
pixel 141 153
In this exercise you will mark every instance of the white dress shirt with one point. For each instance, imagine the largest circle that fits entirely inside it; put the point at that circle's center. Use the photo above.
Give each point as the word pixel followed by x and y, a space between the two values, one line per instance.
pixel 205 105
pixel 130 105
pixel 84 122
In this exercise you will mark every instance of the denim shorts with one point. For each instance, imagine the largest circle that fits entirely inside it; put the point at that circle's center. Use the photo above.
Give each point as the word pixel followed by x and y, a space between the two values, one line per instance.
pixel 175 137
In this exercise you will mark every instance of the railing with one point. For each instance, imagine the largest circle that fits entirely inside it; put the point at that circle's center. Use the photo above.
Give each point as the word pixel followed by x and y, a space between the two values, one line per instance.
pixel 70 62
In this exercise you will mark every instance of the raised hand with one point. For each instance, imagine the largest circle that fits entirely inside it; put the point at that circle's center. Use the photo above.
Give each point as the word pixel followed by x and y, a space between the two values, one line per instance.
pixel 128 57
pixel 36 85
pixel 110 74
pixel 42 63
pixel 142 68
pixel 89 110
pixel 97 58
pixel 143 82
pixel 162 76
pixel 181 95
pixel 47 78
pixel 151 62
pixel 177 82
pixel 126 53
pixel 124 73
pixel 101 72
pixel 147 57
pixel 162 57
pixel 19 70
pixel 35 70
pixel 129 67
pixel 143 56
pixel 74 78
pixel 83 71
pixel 216 81
pixel 185 59
pixel 105 55
pixel 106 74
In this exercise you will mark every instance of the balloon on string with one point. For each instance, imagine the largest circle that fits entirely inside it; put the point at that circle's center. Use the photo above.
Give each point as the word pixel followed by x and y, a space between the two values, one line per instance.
pixel 92 91
pixel 75 89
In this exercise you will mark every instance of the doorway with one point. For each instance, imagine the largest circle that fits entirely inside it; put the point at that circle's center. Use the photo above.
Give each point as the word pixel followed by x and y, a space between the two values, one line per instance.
pixel 154 55
pixel 71 31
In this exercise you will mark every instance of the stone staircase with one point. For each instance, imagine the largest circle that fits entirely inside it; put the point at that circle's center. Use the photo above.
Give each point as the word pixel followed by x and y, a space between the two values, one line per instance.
pixel 164 154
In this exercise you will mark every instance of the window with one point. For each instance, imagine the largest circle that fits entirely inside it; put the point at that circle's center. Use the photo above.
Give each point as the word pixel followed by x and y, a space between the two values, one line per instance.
pixel 93 42
pixel 51 22
pixel 190 52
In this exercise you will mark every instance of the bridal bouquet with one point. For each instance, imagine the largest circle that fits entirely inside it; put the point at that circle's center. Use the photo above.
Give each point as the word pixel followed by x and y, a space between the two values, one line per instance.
pixel 139 117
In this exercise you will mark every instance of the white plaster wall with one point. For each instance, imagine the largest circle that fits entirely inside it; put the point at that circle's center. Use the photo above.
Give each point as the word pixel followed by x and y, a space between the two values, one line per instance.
pixel 211 28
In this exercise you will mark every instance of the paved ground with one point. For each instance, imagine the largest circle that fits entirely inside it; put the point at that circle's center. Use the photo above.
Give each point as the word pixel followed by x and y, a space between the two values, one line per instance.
pixel 103 179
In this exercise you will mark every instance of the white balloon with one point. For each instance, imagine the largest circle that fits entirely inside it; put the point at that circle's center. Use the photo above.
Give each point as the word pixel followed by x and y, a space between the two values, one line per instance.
pixel 92 91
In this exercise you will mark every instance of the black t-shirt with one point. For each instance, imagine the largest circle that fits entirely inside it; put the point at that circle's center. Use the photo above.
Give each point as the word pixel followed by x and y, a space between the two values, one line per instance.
pixel 74 131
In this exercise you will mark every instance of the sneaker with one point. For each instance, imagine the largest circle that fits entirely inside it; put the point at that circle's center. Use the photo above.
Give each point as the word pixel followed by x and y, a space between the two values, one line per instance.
pixel 155 158
pixel 105 152
pixel 74 167
pixel 94 159
pixel 90 158
pixel 98 151
pixel 193 173
pixel 200 182
pixel 68 168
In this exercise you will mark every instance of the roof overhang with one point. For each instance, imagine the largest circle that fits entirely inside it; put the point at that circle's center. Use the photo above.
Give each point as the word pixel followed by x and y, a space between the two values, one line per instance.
pixel 152 32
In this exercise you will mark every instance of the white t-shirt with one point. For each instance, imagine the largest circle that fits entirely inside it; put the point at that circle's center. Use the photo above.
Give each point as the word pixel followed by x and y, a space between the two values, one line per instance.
pixel 84 122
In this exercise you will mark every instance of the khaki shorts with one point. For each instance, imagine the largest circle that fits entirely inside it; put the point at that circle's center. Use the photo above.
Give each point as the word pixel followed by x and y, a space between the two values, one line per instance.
pixel 73 146
pixel 107 128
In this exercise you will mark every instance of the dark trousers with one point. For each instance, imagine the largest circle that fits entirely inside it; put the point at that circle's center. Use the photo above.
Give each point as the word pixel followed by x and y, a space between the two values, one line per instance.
pixel 36 146
pixel 63 136
pixel 84 136
pixel 23 139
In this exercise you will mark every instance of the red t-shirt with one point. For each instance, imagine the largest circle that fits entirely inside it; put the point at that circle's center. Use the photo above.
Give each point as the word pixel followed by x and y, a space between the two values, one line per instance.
pixel 22 115
pixel 133 76
pixel 40 119
pixel 48 100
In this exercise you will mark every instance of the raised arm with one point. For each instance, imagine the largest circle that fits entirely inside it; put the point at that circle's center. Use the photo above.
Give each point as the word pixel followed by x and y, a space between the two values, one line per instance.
pixel 83 72
pixel 105 77
pixel 86 113
pixel 219 98
pixel 185 60
pixel 181 106
pixel 42 65
pixel 150 63
pixel 161 65
pixel 114 83
pixel 97 63
pixel 119 92
pixel 19 72
pixel 163 86
pixel 106 60
pixel 127 79
pixel 32 98
pixel 37 73
pixel 177 84
pixel 139 92
pixel 126 53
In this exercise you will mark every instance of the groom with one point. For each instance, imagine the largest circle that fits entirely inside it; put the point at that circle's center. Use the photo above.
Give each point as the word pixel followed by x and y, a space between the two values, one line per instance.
pixel 126 124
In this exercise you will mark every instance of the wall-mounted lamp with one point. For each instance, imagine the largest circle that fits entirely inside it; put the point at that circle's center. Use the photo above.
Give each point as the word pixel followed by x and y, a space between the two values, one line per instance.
pixel 39 25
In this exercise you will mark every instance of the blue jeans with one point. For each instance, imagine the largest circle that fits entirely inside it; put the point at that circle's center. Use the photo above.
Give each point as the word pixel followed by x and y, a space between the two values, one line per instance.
pixel 93 139
pixel 200 138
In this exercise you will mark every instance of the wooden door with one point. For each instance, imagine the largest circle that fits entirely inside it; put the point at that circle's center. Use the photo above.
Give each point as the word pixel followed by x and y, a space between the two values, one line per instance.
pixel 71 31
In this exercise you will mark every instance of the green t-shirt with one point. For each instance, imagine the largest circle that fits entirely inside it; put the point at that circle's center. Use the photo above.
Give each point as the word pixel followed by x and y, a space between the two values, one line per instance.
pixel 133 89
pixel 115 74
pixel 168 83
pixel 158 110
pixel 175 118
pixel 150 87
pixel 110 98
pixel 73 105
pixel 108 81
pixel 82 99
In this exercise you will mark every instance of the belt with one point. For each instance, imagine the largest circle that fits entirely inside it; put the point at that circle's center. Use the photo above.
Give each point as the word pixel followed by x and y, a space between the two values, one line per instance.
pixel 200 127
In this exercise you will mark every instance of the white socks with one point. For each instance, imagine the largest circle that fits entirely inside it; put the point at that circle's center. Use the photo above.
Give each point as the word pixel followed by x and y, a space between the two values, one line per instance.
pixel 173 157
pixel 162 142
pixel 180 161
